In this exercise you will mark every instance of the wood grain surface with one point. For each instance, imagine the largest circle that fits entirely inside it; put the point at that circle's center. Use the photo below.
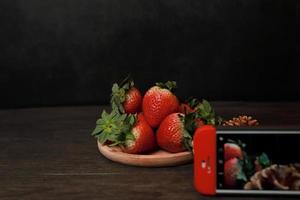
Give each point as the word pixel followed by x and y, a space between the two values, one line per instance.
pixel 157 158
pixel 48 153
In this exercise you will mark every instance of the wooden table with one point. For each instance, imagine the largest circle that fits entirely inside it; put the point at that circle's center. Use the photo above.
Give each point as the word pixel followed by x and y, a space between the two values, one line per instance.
pixel 48 153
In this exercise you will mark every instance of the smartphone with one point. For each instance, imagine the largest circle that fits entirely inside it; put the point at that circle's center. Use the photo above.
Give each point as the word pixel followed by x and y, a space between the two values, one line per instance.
pixel 246 161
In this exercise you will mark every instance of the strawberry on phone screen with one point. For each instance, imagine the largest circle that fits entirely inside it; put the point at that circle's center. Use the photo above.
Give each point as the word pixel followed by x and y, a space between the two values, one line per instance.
pixel 233 172
pixel 234 165
pixel 232 150
pixel 239 167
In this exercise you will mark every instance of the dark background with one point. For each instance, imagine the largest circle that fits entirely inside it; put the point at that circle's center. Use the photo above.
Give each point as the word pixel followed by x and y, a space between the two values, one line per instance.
pixel 58 52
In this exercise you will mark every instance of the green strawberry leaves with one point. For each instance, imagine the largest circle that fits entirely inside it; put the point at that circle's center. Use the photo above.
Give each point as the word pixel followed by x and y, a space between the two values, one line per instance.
pixel 117 98
pixel 193 102
pixel 118 95
pixel 205 108
pixel 203 112
pixel 108 126
pixel 170 85
pixel 189 122
pixel 247 165
pixel 190 126
pixel 264 160
pixel 187 140
pixel 114 127
pixel 241 176
pixel 206 112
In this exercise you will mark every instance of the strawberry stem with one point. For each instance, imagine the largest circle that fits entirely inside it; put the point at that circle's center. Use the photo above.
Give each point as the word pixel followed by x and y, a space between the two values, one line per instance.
pixel 193 102
pixel 170 85
pixel 119 92
pixel 189 129
pixel 114 127
pixel 206 112
pixel 126 80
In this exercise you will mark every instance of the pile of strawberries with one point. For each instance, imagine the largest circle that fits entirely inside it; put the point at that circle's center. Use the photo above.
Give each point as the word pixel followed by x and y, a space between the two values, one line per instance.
pixel 140 124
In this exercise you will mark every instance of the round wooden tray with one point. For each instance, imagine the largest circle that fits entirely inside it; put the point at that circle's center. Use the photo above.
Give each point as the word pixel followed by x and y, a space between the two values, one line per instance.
pixel 157 158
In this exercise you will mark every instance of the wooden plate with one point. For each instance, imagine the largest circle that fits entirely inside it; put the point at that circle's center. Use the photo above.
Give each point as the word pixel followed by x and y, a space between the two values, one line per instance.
pixel 157 158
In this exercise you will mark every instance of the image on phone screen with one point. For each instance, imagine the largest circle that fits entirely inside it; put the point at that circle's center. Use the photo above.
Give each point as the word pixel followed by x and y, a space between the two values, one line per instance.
pixel 258 162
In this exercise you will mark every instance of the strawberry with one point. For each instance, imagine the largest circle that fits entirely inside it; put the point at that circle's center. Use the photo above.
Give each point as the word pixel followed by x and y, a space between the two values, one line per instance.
pixel 232 150
pixel 173 135
pixel 204 112
pixel 132 133
pixel 159 102
pixel 262 161
pixel 184 108
pixel 144 138
pixel 126 98
pixel 233 173
pixel 189 106
pixel 133 101
pixel 257 165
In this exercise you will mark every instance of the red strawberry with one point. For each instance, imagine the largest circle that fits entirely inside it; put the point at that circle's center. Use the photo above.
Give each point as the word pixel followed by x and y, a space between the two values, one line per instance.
pixel 126 98
pixel 232 173
pixel 184 108
pixel 262 161
pixel 189 106
pixel 232 150
pixel 204 112
pixel 159 102
pixel 144 139
pixel 257 165
pixel 172 135
pixel 192 106
pixel 133 101
pixel 133 134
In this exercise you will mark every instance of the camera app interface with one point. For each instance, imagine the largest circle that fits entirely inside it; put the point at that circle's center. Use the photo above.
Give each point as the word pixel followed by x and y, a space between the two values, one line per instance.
pixel 258 161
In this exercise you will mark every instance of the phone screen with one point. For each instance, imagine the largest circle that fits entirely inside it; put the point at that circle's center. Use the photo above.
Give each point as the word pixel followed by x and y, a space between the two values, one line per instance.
pixel 258 161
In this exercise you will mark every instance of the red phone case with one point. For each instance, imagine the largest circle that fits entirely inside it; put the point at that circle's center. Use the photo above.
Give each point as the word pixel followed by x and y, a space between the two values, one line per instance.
pixel 205 160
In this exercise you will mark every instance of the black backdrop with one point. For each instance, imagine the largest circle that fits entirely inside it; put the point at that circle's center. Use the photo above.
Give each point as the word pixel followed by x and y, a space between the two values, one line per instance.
pixel 57 52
